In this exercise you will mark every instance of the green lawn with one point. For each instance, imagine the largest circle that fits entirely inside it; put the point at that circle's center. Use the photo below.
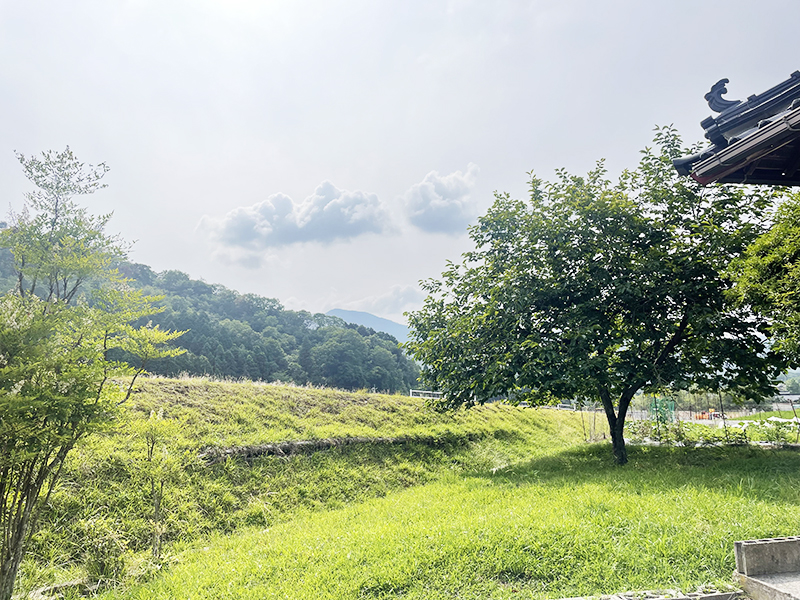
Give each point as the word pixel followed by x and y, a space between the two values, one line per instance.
pixel 104 501
pixel 494 502
pixel 564 524
pixel 783 414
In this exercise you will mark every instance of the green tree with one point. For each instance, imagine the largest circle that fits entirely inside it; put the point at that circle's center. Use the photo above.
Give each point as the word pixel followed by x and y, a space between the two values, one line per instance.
pixel 55 369
pixel 341 360
pixel 592 291
pixel 234 335
pixel 56 244
pixel 768 277
pixel 160 466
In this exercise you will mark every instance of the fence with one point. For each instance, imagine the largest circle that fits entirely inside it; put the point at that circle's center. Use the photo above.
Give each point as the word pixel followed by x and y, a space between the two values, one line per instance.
pixel 424 394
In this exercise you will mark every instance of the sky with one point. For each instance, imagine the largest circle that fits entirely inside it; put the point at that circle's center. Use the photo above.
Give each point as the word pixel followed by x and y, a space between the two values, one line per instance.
pixel 331 154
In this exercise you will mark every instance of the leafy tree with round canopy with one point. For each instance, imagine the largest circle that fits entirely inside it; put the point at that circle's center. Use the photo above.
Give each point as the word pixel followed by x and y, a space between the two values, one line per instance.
pixel 55 371
pixel 593 292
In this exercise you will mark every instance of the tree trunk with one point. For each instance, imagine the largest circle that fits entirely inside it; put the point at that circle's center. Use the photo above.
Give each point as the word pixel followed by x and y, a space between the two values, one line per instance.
pixel 19 519
pixel 616 421
pixel 618 442
pixel 12 557
pixel 8 573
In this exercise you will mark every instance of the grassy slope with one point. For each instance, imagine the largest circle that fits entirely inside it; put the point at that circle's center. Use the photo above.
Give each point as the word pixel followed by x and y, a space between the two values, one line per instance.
pixel 523 510
pixel 228 414
pixel 564 524
pixel 105 490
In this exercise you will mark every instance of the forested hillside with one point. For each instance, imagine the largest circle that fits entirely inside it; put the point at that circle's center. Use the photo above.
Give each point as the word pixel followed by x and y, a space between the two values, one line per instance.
pixel 248 336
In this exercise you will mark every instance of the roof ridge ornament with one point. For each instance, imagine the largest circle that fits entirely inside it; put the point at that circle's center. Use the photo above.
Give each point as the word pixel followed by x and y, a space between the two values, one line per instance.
pixel 715 100
pixel 754 141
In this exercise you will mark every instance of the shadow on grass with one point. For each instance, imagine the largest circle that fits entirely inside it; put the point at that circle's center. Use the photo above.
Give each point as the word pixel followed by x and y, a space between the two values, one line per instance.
pixel 762 473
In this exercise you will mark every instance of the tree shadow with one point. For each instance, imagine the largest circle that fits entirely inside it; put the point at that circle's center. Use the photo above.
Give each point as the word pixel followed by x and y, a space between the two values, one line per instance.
pixel 769 474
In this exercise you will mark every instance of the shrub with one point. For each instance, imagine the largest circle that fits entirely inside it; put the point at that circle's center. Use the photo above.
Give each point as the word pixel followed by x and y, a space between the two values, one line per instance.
pixel 639 431
pixel 683 434
pixel 777 432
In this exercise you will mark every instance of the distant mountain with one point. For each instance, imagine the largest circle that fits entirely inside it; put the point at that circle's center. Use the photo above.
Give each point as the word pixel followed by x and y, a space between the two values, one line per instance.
pixel 368 320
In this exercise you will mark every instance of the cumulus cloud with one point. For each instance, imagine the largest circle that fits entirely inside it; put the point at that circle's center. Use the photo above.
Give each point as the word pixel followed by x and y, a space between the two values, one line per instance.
pixel 327 215
pixel 442 204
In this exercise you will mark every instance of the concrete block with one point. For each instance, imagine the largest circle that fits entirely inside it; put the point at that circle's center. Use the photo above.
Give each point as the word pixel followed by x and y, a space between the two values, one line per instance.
pixel 763 557
pixel 777 586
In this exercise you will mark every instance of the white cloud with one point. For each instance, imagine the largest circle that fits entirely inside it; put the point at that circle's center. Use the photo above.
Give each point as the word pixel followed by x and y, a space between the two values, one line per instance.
pixel 443 204
pixel 245 234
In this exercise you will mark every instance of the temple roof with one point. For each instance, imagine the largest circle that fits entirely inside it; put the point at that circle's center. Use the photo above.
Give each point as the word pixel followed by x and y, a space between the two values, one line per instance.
pixel 753 141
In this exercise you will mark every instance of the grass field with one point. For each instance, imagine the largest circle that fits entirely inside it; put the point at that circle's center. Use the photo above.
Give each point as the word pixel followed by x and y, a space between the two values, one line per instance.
pixel 497 502
pixel 564 524
pixel 783 414
pixel 105 500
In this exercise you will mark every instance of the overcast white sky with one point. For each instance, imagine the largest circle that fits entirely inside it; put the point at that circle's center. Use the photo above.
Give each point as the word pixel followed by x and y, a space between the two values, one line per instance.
pixel 331 154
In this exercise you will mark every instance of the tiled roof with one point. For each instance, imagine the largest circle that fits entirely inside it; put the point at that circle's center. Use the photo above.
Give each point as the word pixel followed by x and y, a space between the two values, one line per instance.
pixel 754 141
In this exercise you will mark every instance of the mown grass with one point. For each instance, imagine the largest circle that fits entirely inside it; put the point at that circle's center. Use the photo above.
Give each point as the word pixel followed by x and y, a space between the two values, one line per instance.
pixel 783 414
pixel 563 524
pixel 496 502
pixel 106 494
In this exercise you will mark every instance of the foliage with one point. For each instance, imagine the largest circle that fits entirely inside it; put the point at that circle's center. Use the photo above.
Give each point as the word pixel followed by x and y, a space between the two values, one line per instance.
pixel 777 432
pixel 160 466
pixel 683 433
pixel 663 432
pixel 590 291
pixel 55 374
pixel 768 276
pixel 104 550
pixel 55 244
pixel 251 337
pixel 245 336
pixel 561 524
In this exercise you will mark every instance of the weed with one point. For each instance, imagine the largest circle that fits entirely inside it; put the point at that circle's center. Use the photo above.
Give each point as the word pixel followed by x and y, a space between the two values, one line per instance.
pixel 104 551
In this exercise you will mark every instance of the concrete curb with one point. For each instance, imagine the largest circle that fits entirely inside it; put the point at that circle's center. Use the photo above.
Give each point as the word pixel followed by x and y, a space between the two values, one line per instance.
pixel 769 569
pixel 663 595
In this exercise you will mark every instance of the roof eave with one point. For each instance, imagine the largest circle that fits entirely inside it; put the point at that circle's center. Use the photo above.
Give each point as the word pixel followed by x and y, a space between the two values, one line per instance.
pixel 769 138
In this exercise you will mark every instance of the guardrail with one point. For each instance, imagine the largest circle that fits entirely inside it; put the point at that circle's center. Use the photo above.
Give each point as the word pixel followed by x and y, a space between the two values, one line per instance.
pixel 424 394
